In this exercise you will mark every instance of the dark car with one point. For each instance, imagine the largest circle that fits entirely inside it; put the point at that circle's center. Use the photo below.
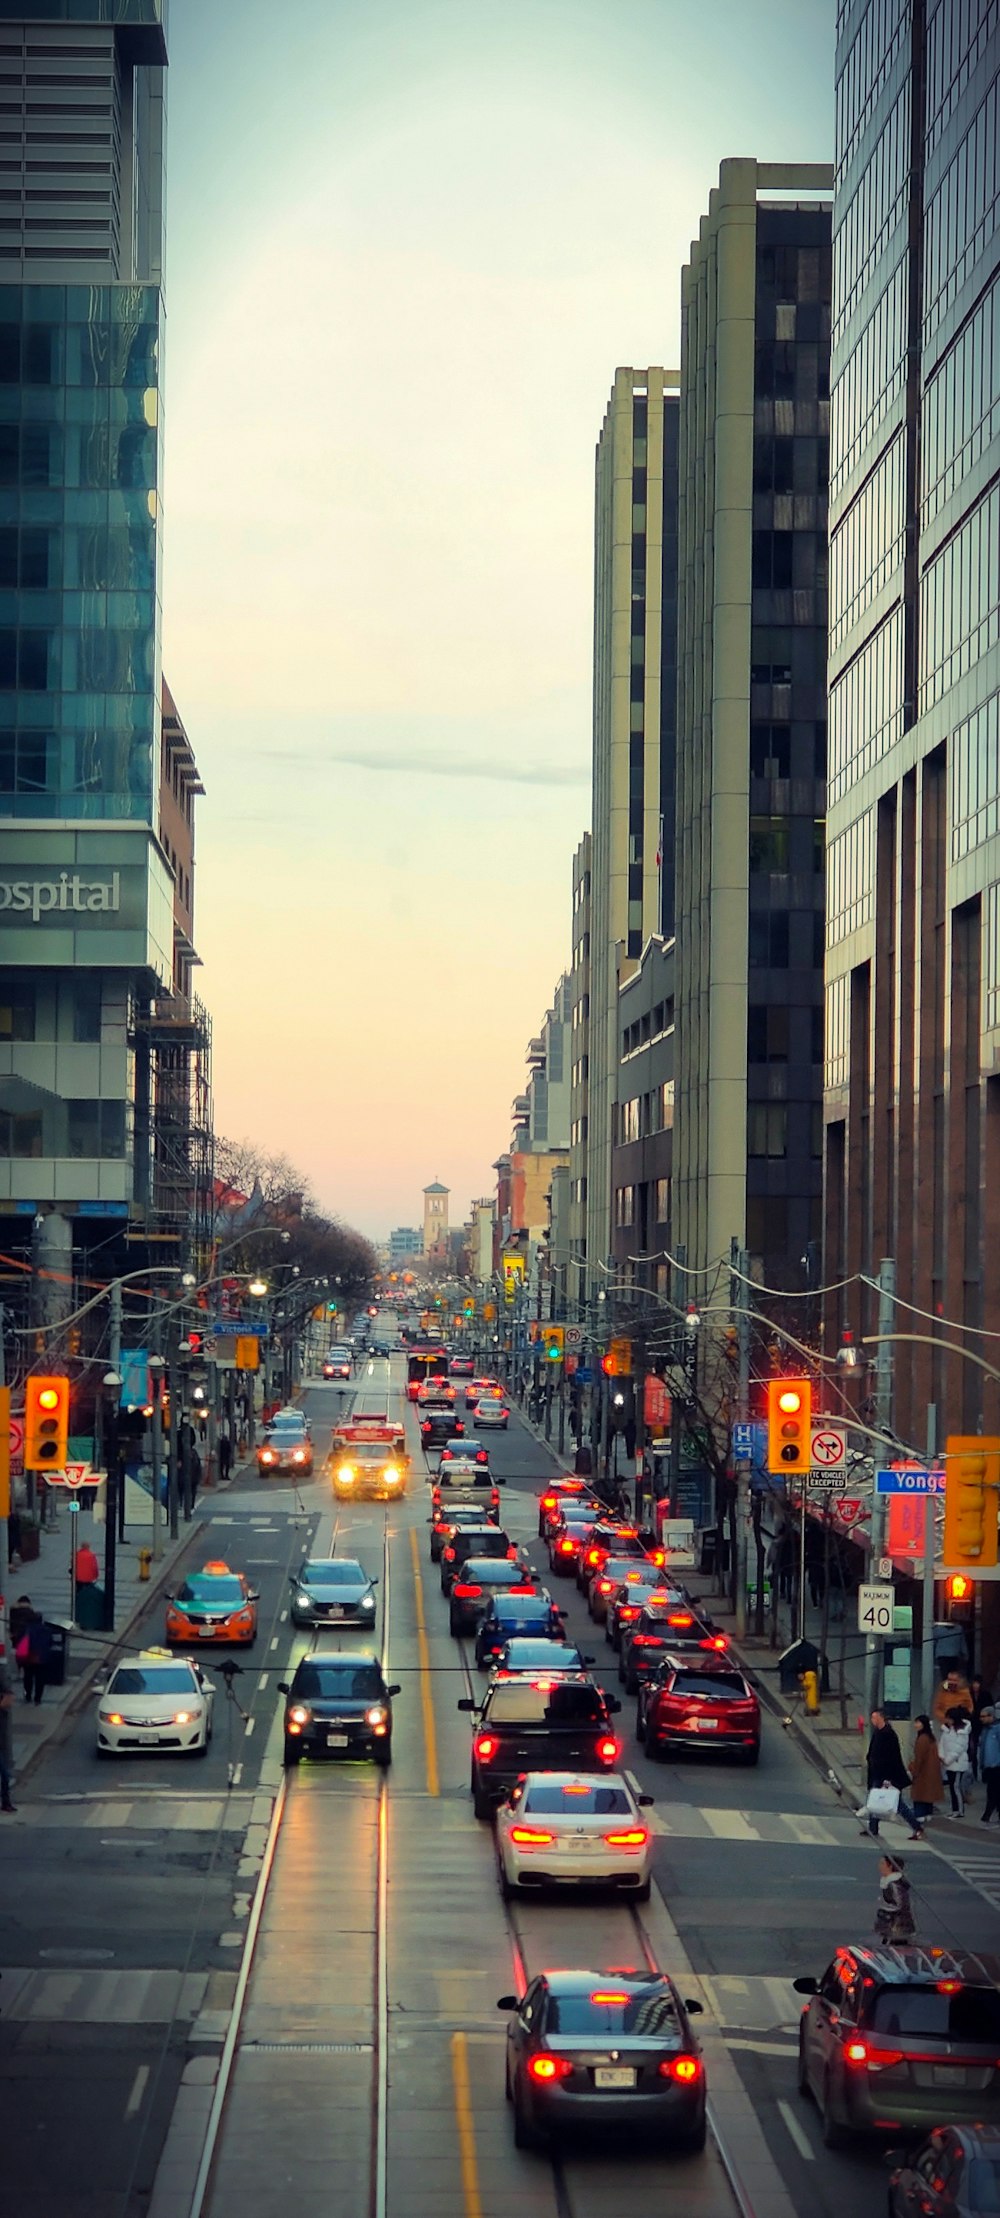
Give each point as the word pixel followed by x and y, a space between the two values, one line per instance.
pixel 603 2050
pixel 511 1614
pixel 540 1656
pixel 476 1540
pixel 439 1425
pixel 628 1599
pixel 332 1587
pixel 461 1367
pixel 891 2037
pixel 612 1538
pixel 699 1702
pixel 338 1704
pixel 664 1628
pixel 522 1724
pixel 567 1538
pixel 481 1578
pixel 557 1498
pixel 454 1516
pixel 956 2174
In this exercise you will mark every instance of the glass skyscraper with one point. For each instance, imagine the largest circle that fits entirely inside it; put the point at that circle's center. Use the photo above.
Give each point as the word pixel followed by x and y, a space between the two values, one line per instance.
pixel 913 915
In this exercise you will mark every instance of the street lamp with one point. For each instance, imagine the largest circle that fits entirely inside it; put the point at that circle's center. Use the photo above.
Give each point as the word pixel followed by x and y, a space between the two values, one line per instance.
pixel 157 1366
pixel 111 1384
pixel 257 1286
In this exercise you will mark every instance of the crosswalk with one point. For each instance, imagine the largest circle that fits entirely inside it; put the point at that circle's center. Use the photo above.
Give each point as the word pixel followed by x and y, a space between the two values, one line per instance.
pixel 684 1821
pixel 981 1871
pixel 159 1813
pixel 90 1997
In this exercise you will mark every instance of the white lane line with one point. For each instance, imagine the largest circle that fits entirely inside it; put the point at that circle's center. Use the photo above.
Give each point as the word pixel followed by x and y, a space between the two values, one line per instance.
pixel 796 2132
pixel 284 1616
pixel 134 2102
pixel 250 1723
pixel 237 1774
pixel 274 1644
pixel 262 1682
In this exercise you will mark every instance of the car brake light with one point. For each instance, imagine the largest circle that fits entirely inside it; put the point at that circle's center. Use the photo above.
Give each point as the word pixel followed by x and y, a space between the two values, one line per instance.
pixel 685 2069
pixel 717 1640
pixel 949 1986
pixel 449 1555
pixel 593 1555
pixel 613 1997
pixel 565 1547
pixel 605 1586
pixel 465 1593
pixel 549 2067
pixel 482 1457
pixel 856 2052
pixel 529 1836
pixel 521 1590
pixel 607 1751
pixel 635 1838
pixel 680 1617
pixel 485 1746
pixel 659 1557
pixel 512 1554
pixel 627 1610
pixel 548 1501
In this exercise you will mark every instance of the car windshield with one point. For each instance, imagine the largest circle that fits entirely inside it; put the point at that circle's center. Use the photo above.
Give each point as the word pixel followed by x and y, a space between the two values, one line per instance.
pixel 969 2014
pixel 341 1572
pixel 325 1680
pixel 578 1800
pixel 521 1609
pixel 213 1592
pixel 288 1424
pixel 493 1543
pixel 546 1702
pixel 648 2015
pixel 491 1573
pixel 981 2187
pixel 175 1678
pixel 713 1686
pixel 540 1655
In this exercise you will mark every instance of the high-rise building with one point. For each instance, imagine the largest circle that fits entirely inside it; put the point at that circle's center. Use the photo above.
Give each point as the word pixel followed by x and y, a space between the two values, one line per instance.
pixel 579 1098
pixel 913 928
pixel 406 1243
pixel 635 558
pixel 103 1052
pixel 751 720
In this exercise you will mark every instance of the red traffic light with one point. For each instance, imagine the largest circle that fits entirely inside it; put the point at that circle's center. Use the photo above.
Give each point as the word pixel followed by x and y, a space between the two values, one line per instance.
pixel 960 1587
pixel 608 1365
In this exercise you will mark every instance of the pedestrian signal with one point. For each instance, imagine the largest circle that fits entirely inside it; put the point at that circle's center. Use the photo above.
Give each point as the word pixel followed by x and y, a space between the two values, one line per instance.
pixel 789 1425
pixel 46 1423
pixel 971 1499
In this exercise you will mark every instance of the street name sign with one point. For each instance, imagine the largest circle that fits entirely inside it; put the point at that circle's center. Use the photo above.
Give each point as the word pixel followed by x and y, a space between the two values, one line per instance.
pixel 909 1480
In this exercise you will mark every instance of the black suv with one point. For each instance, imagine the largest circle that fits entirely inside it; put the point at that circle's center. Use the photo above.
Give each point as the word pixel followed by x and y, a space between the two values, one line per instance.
pixel 439 1424
pixel 526 1724
pixel 338 1704
pixel 474 1540
pixel 891 2037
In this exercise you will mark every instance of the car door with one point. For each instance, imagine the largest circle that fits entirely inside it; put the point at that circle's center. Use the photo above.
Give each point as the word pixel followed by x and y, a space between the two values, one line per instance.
pixel 823 2022
pixel 524 2026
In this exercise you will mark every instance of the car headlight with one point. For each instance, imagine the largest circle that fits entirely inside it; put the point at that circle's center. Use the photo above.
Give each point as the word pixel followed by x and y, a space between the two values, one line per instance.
pixel 346 1474
pixel 377 1716
pixel 391 1476
pixel 368 1601
pixel 111 1717
pixel 299 1716
pixel 187 1717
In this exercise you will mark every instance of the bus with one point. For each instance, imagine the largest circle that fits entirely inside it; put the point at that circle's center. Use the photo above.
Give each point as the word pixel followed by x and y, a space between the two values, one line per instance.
pixel 429 1360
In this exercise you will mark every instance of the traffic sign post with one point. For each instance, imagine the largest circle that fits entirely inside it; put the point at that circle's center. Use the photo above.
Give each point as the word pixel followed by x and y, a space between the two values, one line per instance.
pixel 875 1606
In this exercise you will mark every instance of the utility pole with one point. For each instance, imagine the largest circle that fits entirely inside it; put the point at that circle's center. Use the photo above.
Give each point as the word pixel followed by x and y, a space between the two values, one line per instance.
pixel 112 1386
pixel 928 1674
pixel 740 1297
pixel 678 1301
pixel 874 1647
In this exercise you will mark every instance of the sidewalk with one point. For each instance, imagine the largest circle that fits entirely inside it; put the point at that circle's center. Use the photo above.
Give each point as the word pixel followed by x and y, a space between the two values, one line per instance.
pixel 47 1584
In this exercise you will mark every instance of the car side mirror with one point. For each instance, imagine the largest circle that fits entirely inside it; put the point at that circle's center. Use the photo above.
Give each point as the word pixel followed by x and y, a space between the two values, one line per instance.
pixel 508 2002
pixel 374 1579
pixel 394 1690
pixel 646 1802
pixel 613 1703
pixel 254 1595
pixel 588 1660
pixel 283 1687
pixel 806 1986
pixel 895 2158
pixel 563 1614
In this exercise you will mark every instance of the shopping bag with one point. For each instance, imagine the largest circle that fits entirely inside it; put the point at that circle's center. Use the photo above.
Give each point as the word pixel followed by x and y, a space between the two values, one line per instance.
pixel 883 1802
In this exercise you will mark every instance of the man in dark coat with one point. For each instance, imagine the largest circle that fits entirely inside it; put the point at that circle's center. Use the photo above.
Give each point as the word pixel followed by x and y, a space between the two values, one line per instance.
pixel 887 1769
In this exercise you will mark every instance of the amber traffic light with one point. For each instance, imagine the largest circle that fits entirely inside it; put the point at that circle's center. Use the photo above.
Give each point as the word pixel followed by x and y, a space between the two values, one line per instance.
pixel 789 1425
pixel 46 1423
pixel 971 1499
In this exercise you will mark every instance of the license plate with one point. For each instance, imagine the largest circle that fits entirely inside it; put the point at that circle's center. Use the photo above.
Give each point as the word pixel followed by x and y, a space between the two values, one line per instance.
pixel 336 1740
pixel 947 2075
pixel 613 2075
pixel 205 1632
pixel 706 1724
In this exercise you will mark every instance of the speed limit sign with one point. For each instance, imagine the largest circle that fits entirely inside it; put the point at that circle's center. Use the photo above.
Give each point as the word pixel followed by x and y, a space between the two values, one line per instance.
pixel 875 1607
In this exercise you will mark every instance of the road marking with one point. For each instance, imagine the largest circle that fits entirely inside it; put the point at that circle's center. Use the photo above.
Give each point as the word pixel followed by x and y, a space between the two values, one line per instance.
pixel 274 1644
pixel 424 1659
pixel 250 1723
pixel 134 2102
pixel 796 2132
pixel 284 1617
pixel 466 2127
pixel 237 1774
pixel 262 1682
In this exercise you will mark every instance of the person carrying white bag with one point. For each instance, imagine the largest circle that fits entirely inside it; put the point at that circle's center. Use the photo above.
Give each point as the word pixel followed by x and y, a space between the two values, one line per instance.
pixel 887 1780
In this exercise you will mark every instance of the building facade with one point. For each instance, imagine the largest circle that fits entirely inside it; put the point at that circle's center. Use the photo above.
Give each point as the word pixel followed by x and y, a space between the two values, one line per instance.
pixel 435 1232
pixel 913 932
pixel 549 1073
pixel 103 1052
pixel 642 1154
pixel 751 720
pixel 579 1098
pixel 405 1243
pixel 635 572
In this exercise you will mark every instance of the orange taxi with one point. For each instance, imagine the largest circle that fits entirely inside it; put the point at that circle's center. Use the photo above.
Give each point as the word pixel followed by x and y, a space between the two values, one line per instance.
pixel 215 1603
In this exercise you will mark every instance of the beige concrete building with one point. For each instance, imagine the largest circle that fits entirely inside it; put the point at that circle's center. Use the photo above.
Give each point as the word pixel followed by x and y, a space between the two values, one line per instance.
pixel 435 1216
pixel 579 1098
pixel 636 459
pixel 751 717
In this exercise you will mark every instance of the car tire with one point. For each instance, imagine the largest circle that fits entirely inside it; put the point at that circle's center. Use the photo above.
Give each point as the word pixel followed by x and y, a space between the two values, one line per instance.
pixel 201 1750
pixel 692 2142
pixel 752 1755
pixel 526 2136
pixel 482 1807
pixel 631 1683
pixel 834 2135
pixel 292 1755
pixel 642 1894
pixel 506 1890
pixel 382 1756
pixel 454 1625
pixel 640 1724
pixel 802 2076
pixel 621 1669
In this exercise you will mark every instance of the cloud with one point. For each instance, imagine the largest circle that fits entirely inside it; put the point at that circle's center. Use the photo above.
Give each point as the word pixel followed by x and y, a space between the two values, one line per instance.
pixel 415 765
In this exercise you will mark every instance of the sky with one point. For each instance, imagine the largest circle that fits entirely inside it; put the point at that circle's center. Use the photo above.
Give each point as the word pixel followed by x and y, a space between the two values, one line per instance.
pixel 409 242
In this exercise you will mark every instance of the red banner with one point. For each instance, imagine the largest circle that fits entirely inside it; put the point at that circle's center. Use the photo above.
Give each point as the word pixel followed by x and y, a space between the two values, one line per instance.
pixel 907 1518
pixel 656 1405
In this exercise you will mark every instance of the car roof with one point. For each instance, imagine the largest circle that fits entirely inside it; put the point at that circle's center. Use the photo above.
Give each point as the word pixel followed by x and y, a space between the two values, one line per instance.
pixel 326 1563
pixel 909 1967
pixel 340 1656
pixel 583 1982
pixel 587 1779
pixel 493 1564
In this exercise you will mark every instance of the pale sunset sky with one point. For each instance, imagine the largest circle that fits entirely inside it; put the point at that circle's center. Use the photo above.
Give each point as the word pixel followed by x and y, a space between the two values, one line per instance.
pixel 409 241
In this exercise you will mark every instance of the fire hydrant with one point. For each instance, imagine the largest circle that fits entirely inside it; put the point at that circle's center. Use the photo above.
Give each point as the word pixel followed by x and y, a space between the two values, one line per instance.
pixel 809 1683
pixel 145 1559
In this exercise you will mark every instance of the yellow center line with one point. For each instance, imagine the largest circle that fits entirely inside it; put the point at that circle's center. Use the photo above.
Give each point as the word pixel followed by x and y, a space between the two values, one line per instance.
pixel 466 2127
pixel 424 1654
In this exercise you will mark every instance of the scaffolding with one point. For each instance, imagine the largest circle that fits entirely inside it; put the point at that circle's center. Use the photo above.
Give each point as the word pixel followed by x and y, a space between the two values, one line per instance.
pixel 174 1166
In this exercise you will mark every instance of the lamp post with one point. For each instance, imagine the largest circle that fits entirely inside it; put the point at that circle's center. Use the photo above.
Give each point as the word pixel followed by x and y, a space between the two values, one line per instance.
pixel 157 1366
pixel 111 1384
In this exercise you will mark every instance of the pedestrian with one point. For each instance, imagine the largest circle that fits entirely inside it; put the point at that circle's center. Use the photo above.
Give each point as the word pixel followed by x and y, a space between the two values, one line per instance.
pixel 953 1750
pixel 982 1699
pixel 6 1735
pixel 225 1457
pixel 18 1621
pixel 954 1693
pixel 36 1662
pixel 88 1570
pixel 885 1768
pixel 989 1757
pixel 894 1919
pixel 195 1462
pixel 925 1770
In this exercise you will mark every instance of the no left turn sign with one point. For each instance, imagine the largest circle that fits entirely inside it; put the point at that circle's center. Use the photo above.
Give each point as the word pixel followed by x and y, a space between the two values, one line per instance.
pixel 829 1447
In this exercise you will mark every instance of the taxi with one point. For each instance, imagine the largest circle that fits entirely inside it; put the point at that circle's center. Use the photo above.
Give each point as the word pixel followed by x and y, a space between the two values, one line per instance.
pixel 155 1701
pixel 215 1603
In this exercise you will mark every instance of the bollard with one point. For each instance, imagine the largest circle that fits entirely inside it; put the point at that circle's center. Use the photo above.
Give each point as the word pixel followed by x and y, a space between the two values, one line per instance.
pixel 145 1559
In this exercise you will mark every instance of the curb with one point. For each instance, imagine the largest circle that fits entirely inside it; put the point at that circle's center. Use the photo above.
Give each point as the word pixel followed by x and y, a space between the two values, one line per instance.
pixel 84 1684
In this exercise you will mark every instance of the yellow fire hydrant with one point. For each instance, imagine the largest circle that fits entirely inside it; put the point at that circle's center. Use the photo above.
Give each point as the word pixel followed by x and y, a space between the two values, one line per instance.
pixel 809 1682
pixel 145 1559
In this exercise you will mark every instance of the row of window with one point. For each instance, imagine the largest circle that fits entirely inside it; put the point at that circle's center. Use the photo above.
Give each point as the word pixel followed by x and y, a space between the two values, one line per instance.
pixel 578 1132
pixel 78 558
pixel 851 878
pixel 958 33
pixel 991 956
pixel 768 1123
pixel 650 1026
pixel 873 211
pixel 962 213
pixel 634 1203
pixel 866 706
pixel 837 1052
pixel 62 1007
pixel 643 1115
pixel 961 407
pixel 71 456
pixel 864 70
pixel 960 601
pixel 974 766
pixel 786 463
pixel 769 1032
pixel 67 766
pixel 88 349
pixel 773 944
pixel 580 1072
pixel 87 661
pixel 94 1130
pixel 868 543
pixel 770 844
pixel 787 751
pixel 871 379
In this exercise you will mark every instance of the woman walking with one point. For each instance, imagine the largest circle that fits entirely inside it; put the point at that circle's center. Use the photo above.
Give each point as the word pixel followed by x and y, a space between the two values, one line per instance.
pixel 927 1784
pixel 894 1919
pixel 953 1750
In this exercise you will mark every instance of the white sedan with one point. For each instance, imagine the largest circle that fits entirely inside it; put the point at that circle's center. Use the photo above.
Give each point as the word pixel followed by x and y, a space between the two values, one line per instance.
pixel 492 1409
pixel 156 1703
pixel 563 1828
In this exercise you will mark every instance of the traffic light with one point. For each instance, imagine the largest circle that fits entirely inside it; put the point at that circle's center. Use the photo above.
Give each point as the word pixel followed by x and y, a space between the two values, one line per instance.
pixel 789 1425
pixel 331 1310
pixel 470 1309
pixel 960 1588
pixel 971 1482
pixel 46 1423
pixel 608 1366
pixel 554 1337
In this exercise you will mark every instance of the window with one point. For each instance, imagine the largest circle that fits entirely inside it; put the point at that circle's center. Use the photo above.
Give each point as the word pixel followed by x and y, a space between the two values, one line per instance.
pixel 974 761
pixel 767 1128
pixel 866 707
pixel 768 843
pixel 20 1133
pixel 768 939
pixel 875 207
pixel 630 1120
pixel 87 1008
pixel 962 212
pixel 872 376
pixel 960 601
pixel 767 1033
pixel 17 1010
pixel 772 559
pixel 961 411
pixel 624 1206
pixel 867 545
pixel 770 750
pixel 661 1201
pixel 95 1129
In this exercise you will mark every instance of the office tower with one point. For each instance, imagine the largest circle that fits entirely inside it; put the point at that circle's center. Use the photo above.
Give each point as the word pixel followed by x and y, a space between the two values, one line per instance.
pixel 913 929
pixel 751 720
pixel 635 553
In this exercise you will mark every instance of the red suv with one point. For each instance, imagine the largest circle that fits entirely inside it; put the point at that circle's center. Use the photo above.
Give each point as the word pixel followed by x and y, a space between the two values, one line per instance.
pixel 696 1702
